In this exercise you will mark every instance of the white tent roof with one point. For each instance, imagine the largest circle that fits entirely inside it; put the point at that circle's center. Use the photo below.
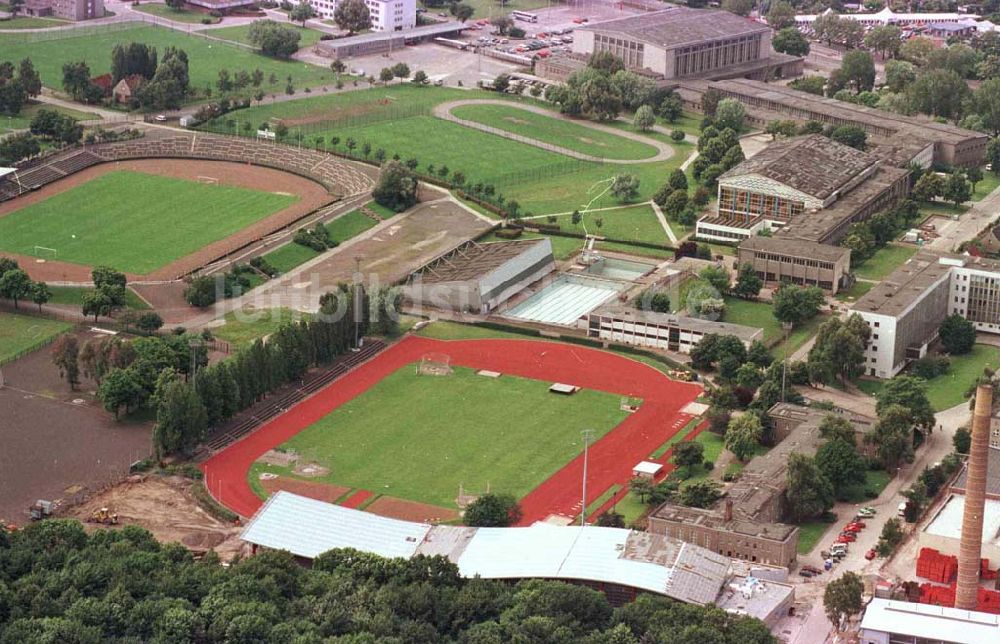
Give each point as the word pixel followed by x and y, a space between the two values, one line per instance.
pixel 931 623
pixel 5 171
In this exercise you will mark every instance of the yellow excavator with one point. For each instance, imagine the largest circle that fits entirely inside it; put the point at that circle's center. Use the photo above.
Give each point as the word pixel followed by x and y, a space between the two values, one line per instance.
pixel 103 515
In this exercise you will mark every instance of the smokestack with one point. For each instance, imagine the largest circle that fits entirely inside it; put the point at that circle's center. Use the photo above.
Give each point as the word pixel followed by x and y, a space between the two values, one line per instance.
pixel 970 550
pixel 728 512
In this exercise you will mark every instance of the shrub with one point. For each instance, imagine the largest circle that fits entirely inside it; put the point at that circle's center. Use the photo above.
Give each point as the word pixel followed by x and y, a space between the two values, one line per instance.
pixel 678 135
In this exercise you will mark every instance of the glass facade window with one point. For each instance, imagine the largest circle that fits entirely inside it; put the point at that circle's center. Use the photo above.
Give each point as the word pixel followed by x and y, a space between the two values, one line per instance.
pixel 742 203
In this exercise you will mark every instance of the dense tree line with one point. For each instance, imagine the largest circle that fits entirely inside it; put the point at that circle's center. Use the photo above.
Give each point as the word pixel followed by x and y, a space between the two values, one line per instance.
pixel 166 80
pixel 17 286
pixel 59 584
pixel 866 237
pixel 17 85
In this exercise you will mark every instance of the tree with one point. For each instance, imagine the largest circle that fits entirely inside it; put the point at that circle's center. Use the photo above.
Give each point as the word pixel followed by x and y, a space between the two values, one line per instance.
pixel 76 80
pixel 892 437
pixel 748 283
pixel 957 334
pixel 503 23
pixel 929 187
pixel 120 389
pixel 176 5
pixel 739 7
pixel 274 39
pixel 884 39
pixel 857 69
pixel 974 175
pixel 962 440
pixel 492 511
pixel 834 427
pixel 841 464
pixel 28 78
pixel 605 61
pixel 688 454
pixel 301 12
pixel 813 84
pixel 396 188
pixel 678 180
pixel 795 304
pixel 781 15
pixel 353 16
pixel 15 285
pixel 850 135
pixel 599 99
pixel 401 71
pixel 420 78
pixel 40 294
pixel 956 188
pixel 730 113
pixel 842 598
pixel 699 494
pixel 892 535
pixel 675 203
pixel 717 276
pixel 839 349
pixel 65 356
pixel 743 435
pixel 386 75
pixel 462 11
pixel 938 92
pixel 625 187
pixel 201 292
pixel 807 491
pixel 781 128
pixel 181 417
pixel 790 41
pixel 644 118
pixel 149 322
pixel 910 393
pixel 899 74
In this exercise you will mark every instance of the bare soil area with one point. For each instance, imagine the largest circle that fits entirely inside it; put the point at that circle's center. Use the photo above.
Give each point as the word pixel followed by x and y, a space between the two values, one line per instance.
pixel 313 490
pixel 388 506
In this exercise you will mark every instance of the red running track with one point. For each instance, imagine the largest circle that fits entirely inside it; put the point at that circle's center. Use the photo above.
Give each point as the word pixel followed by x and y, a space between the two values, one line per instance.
pixel 611 458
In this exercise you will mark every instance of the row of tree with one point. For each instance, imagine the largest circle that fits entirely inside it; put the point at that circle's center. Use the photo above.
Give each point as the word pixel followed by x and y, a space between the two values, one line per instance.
pixel 16 285
pixel 17 85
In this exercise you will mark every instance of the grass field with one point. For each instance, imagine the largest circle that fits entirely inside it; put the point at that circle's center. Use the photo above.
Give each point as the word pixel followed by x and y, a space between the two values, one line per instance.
pixel 346 226
pixel 398 120
pixel 28 112
pixel 240 33
pixel 761 315
pixel 21 333
pixel 182 15
pixel 884 261
pixel 92 224
pixel 290 256
pixel 418 437
pixel 810 534
pixel 245 327
pixel 341 229
pixel 50 51
pixel 566 134
pixel 989 183
pixel 73 296
pixel 857 290
pixel 30 22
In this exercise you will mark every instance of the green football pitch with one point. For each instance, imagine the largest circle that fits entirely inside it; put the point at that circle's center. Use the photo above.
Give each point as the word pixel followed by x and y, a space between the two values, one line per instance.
pixel 135 222
pixel 22 333
pixel 418 437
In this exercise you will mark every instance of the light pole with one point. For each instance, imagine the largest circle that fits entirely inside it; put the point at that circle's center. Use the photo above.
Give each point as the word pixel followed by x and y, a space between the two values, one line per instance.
pixel 358 301
pixel 587 435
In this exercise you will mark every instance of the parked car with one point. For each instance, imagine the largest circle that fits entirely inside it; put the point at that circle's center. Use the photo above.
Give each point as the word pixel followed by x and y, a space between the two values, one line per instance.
pixel 813 569
pixel 845 539
pixel 871 554
pixel 805 573
pixel 868 510
pixel 849 537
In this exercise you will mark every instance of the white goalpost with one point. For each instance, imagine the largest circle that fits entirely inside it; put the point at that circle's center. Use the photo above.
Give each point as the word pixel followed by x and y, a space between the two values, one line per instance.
pixel 209 180
pixel 434 364
pixel 43 253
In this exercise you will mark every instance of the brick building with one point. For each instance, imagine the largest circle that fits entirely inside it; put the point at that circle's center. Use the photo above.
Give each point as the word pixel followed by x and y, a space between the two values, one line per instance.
pixel 65 9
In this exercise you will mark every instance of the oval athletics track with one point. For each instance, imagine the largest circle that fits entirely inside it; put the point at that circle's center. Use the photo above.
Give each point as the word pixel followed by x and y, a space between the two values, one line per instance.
pixel 611 458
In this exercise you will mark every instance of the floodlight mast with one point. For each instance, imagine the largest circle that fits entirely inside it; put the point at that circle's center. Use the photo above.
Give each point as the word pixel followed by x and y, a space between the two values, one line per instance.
pixel 588 435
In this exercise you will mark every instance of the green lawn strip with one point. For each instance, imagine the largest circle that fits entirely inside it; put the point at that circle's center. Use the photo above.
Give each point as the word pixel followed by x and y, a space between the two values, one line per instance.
pixel 631 508
pixel 942 208
pixel 870 387
pixel 884 261
pixel 473 205
pixel 642 251
pixel 689 123
pixel 857 290
pixel 372 499
pixel 22 333
pixel 253 478
pixel 50 51
pixel 242 328
pixel 989 183
pixel 555 131
pixel 810 534
pixel 349 225
pixel 460 429
pixel 798 337
pixel 380 210
pixel 290 256
pixel 31 22
pixel 241 34
pixel 92 224
pixel 596 504
pixel 23 119
pixel 875 481
pixel 713 445
pixel 73 296
pixel 636 222
pixel 676 438
pixel 753 313
pixel 181 15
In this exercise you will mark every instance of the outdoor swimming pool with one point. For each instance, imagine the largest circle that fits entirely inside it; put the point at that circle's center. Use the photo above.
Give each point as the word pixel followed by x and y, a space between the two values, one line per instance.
pixel 565 300
pixel 619 269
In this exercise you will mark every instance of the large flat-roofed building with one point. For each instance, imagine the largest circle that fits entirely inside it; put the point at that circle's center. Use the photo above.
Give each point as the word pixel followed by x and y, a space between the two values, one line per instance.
pixel 621 563
pixel 787 417
pixel 66 9
pixel 477 277
pixel 629 325
pixel 720 531
pixel 888 621
pixel 785 259
pixel 897 138
pixel 807 188
pixel 679 42
pixel 906 309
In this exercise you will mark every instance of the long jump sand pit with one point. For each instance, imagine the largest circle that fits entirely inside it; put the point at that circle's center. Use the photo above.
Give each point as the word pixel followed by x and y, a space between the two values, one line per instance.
pixel 309 196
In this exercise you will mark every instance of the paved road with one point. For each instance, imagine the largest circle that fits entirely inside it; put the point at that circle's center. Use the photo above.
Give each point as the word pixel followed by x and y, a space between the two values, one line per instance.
pixel 443 111
pixel 969 225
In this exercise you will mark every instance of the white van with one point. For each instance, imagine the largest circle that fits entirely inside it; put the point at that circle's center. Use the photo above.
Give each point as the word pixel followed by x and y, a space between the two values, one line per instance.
pixel 901 510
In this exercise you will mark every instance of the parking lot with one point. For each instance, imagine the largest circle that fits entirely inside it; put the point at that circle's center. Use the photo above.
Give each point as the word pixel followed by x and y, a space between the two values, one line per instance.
pixel 440 63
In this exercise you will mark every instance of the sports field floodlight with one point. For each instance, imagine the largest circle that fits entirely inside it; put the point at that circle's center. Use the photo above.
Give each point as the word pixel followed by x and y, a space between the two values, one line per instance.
pixel 588 435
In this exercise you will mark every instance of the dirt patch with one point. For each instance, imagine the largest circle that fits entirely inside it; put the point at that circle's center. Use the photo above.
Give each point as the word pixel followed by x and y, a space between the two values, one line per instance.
pixel 311 489
pixel 310 470
pixel 311 196
pixel 516 121
pixel 589 141
pixel 281 459
pixel 388 506
pixel 341 114
pixel 166 507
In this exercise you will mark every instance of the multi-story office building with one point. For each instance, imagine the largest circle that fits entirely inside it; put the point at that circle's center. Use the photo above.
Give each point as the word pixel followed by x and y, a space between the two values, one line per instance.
pixel 785 259
pixel 387 15
pixel 66 9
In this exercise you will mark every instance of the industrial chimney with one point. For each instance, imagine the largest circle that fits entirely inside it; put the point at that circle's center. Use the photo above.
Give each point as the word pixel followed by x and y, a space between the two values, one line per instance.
pixel 970 550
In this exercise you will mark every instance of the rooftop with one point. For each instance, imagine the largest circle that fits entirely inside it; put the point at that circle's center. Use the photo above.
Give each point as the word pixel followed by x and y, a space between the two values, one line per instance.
pixel 813 164
pixel 931 623
pixel 473 260
pixel 678 26
pixel 712 518
pixel 796 248
pixel 992 471
pixel 906 285
pixel 948 520
pixel 624 311
pixel 654 563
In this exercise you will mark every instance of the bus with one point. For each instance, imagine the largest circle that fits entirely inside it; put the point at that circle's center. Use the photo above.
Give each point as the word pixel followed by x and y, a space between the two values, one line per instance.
pixel 457 44
pixel 524 16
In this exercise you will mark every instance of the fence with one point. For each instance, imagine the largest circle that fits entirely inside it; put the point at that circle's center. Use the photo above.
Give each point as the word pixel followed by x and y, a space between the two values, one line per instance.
pixel 136 21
